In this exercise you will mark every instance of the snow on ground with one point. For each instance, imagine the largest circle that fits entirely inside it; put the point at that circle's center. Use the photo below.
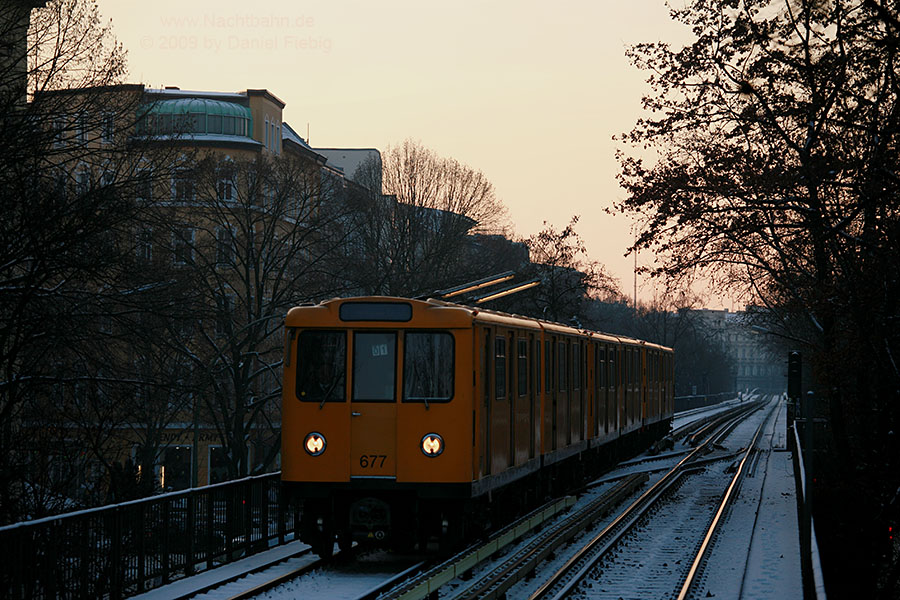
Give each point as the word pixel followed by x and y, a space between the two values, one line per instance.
pixel 763 518
pixel 337 582
pixel 191 585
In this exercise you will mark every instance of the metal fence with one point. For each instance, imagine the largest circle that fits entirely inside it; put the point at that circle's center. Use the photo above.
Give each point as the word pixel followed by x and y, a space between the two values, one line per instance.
pixel 124 549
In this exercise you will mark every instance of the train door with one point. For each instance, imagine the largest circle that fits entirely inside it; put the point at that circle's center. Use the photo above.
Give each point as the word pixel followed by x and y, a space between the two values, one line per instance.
pixel 513 393
pixel 599 390
pixel 576 396
pixel 619 387
pixel 585 390
pixel 639 385
pixel 487 351
pixel 534 382
pixel 629 378
pixel 562 390
pixel 550 377
pixel 524 402
pixel 500 424
pixel 373 404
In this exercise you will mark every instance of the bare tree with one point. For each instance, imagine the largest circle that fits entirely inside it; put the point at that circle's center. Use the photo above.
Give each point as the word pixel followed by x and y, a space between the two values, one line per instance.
pixel 568 277
pixel 69 171
pixel 261 240
pixel 414 237
pixel 775 134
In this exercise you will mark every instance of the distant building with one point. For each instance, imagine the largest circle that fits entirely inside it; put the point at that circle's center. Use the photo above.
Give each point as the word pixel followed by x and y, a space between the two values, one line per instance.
pixel 15 16
pixel 755 364
pixel 350 160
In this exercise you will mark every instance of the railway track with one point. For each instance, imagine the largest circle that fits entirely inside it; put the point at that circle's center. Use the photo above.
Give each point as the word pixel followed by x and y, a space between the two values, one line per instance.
pixel 521 563
pixel 513 557
pixel 659 546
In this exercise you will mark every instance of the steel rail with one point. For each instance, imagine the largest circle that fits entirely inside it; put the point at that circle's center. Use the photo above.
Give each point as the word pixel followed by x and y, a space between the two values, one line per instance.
pixel 571 573
pixel 495 583
pixel 727 499
pixel 691 428
pixel 427 583
pixel 203 589
pixel 275 581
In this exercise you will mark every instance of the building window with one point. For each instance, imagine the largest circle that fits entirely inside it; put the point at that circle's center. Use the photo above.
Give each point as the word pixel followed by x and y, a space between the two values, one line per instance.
pixel 108 128
pixel 183 187
pixel 144 185
pixel 214 124
pixel 83 181
pixel 183 245
pixel 144 245
pixel 224 246
pixel 60 124
pixel 175 468
pixel 266 132
pixel 108 178
pixel 81 128
pixel 225 187
pixel 218 464
pixel 224 312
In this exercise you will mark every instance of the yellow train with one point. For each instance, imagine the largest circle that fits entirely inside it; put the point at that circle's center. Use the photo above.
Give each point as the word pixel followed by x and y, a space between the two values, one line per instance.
pixel 404 420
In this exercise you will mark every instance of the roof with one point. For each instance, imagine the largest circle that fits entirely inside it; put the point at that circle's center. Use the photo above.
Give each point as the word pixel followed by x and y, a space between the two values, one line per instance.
pixel 175 93
pixel 288 133
pixel 182 106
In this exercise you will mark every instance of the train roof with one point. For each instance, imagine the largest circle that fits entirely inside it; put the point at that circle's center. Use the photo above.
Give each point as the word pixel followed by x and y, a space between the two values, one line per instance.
pixel 452 315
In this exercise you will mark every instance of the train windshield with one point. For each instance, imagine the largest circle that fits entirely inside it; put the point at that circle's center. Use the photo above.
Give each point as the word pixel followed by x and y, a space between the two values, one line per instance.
pixel 374 366
pixel 428 367
pixel 321 366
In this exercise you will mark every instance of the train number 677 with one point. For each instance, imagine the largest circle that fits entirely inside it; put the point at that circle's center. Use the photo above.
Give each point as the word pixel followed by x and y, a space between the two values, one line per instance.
pixel 372 461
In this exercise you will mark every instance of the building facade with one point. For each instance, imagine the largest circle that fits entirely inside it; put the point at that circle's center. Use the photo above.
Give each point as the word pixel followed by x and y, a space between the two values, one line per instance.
pixel 756 365
pixel 238 216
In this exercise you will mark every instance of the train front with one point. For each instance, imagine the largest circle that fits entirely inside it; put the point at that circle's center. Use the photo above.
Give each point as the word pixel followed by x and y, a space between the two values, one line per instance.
pixel 377 419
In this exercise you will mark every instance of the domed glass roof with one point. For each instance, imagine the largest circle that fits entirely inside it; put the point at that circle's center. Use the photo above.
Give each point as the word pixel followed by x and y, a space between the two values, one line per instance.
pixel 197 116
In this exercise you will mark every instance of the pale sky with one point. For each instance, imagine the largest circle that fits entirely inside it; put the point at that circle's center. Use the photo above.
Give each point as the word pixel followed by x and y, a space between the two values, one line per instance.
pixel 530 93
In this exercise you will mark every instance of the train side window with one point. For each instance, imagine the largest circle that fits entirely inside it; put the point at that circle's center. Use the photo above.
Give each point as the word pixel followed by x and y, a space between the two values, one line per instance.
pixel 576 366
pixel 500 368
pixel 428 366
pixel 612 367
pixel 522 367
pixel 627 364
pixel 321 366
pixel 563 371
pixel 536 361
pixel 548 363
pixel 374 366
pixel 601 367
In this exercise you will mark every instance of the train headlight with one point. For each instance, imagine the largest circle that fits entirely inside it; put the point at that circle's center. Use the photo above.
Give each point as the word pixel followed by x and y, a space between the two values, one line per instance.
pixel 315 443
pixel 432 444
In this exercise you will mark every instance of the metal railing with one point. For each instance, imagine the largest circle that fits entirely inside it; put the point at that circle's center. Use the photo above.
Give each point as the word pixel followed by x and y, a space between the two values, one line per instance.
pixel 813 579
pixel 124 549
pixel 700 400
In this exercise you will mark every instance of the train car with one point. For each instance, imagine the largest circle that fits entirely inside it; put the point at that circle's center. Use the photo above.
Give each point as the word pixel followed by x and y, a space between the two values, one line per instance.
pixel 406 421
